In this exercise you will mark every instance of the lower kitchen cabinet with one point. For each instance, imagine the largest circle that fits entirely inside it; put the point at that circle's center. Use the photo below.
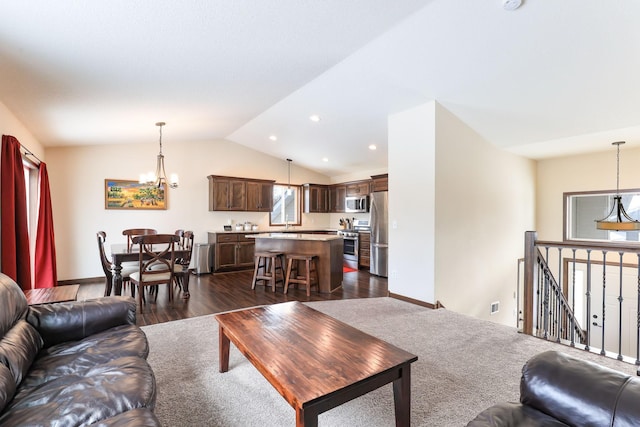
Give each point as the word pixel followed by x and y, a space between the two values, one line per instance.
pixel 233 251
pixel 364 250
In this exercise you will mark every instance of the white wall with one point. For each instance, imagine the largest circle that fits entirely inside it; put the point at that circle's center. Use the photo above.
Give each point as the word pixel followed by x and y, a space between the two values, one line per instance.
pixel 77 177
pixel 485 201
pixel 412 203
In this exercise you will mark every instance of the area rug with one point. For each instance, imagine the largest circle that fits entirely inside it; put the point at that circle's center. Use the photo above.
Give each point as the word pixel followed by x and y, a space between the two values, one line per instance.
pixel 346 269
pixel 464 366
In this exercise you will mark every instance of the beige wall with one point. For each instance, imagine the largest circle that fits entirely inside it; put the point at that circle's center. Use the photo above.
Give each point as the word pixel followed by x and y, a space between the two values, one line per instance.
pixel 10 125
pixel 461 206
pixel 77 180
pixel 485 201
pixel 588 172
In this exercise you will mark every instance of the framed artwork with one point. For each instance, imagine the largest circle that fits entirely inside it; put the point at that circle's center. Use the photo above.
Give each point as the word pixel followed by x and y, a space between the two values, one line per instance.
pixel 131 195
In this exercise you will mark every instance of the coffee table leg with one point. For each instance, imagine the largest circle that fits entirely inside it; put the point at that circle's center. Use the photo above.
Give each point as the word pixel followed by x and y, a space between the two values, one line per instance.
pixel 402 397
pixel 223 342
pixel 308 418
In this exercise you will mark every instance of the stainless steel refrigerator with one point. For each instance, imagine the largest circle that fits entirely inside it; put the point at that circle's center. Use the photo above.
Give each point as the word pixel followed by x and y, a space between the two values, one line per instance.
pixel 379 223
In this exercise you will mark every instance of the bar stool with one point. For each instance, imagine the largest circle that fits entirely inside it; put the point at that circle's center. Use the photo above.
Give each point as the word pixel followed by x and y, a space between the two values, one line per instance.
pixel 268 261
pixel 293 269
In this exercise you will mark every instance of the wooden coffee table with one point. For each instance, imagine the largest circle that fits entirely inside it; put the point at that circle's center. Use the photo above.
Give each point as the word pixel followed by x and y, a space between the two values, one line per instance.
pixel 315 361
pixel 52 295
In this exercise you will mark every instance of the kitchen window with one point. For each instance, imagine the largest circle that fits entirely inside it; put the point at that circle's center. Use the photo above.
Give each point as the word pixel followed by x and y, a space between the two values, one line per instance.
pixel 583 209
pixel 286 205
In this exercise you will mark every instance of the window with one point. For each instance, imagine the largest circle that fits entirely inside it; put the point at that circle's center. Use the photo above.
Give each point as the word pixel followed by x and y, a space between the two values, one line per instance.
pixel 31 188
pixel 286 205
pixel 582 210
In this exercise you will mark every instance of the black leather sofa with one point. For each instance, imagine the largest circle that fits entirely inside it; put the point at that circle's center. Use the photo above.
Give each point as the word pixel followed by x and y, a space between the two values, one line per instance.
pixel 73 364
pixel 560 390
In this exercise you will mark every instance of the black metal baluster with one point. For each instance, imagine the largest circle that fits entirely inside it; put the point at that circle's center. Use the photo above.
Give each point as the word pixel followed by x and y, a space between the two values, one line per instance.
pixel 604 296
pixel 620 299
pixel 638 316
pixel 573 300
pixel 589 298
pixel 546 306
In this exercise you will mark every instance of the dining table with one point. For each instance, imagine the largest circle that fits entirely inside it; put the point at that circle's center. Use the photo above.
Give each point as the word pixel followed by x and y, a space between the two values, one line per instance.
pixel 121 252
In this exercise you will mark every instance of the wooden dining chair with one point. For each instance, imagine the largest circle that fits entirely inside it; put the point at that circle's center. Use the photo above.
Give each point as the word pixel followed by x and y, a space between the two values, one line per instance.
pixel 181 268
pixel 107 266
pixel 132 232
pixel 154 249
pixel 182 264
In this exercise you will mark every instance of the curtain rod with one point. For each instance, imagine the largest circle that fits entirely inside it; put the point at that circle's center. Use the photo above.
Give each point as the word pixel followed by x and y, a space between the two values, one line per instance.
pixel 28 152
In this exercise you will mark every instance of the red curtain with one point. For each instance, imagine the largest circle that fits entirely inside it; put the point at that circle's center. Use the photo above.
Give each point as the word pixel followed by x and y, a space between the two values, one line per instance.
pixel 13 214
pixel 45 258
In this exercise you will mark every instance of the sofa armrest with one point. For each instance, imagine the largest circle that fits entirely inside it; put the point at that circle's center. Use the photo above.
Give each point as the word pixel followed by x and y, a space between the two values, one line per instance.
pixel 72 321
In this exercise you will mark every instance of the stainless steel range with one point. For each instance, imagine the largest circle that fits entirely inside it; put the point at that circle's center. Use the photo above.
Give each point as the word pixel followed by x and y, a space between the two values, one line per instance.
pixel 351 245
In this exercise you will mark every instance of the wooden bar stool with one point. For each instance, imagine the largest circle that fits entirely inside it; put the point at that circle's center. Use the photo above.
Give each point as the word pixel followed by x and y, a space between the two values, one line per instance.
pixel 293 270
pixel 270 262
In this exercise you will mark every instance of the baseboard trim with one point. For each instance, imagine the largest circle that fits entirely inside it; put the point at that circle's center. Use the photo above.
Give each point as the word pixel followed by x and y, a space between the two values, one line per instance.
pixel 80 281
pixel 416 301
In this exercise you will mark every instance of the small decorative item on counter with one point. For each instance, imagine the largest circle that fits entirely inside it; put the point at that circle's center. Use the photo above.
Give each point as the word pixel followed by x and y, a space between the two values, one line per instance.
pixel 342 224
pixel 254 227
pixel 239 227
pixel 227 227
pixel 247 226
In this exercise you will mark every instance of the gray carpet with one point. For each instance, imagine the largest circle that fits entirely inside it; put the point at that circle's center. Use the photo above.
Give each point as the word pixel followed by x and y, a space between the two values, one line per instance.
pixel 464 366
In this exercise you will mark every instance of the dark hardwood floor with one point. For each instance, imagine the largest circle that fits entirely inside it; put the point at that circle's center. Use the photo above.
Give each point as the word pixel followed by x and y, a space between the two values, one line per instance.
pixel 214 293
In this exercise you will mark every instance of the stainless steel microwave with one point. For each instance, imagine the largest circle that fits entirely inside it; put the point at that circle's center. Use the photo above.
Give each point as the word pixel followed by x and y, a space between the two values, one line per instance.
pixel 356 204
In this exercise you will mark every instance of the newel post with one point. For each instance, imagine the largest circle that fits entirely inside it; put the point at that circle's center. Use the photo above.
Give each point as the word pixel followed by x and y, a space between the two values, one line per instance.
pixel 530 279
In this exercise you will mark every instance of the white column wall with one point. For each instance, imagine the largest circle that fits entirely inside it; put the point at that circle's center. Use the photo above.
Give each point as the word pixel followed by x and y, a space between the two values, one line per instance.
pixel 412 203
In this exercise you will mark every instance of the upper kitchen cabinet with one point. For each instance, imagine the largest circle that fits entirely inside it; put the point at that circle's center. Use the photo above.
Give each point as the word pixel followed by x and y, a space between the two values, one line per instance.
pixel 259 196
pixel 380 182
pixel 316 198
pixel 239 194
pixel 358 188
pixel 337 194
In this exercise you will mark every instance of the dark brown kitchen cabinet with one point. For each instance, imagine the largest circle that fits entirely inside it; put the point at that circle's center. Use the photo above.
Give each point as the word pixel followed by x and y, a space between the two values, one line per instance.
pixel 227 194
pixel 233 251
pixel 358 188
pixel 316 198
pixel 337 194
pixel 239 194
pixel 380 182
pixel 259 196
pixel 364 250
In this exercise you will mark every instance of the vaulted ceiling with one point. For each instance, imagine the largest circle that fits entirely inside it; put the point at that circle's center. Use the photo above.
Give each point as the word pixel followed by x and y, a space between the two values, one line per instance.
pixel 550 78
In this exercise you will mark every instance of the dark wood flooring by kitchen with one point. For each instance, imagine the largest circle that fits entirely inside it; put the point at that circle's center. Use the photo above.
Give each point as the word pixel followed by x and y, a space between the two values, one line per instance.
pixel 214 293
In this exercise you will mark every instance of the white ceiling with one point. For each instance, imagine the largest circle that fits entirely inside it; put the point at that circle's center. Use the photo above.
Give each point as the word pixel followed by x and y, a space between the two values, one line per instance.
pixel 551 78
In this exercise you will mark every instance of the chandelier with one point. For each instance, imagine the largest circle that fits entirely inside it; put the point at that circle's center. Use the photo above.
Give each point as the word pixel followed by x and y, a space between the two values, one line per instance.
pixel 618 219
pixel 159 179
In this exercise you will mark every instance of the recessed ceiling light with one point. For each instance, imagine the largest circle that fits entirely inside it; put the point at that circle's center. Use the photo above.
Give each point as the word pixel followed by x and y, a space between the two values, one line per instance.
pixel 314 118
pixel 325 159
pixel 273 138
pixel 372 147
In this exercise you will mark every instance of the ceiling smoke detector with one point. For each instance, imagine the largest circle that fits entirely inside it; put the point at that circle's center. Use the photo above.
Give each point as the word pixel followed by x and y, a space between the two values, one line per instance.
pixel 511 4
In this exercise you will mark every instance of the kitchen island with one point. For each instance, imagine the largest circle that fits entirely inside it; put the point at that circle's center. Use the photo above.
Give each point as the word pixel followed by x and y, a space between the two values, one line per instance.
pixel 328 248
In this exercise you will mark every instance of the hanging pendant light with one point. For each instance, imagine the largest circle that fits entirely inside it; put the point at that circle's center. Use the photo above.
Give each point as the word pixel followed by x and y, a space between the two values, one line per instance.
pixel 289 191
pixel 159 179
pixel 618 219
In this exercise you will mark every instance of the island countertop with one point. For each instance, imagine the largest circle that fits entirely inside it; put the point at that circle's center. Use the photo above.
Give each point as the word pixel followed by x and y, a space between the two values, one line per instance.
pixel 327 247
pixel 296 236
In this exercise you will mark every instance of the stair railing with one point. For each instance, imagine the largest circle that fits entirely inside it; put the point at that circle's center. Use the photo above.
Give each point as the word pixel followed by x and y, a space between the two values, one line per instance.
pixel 556 308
